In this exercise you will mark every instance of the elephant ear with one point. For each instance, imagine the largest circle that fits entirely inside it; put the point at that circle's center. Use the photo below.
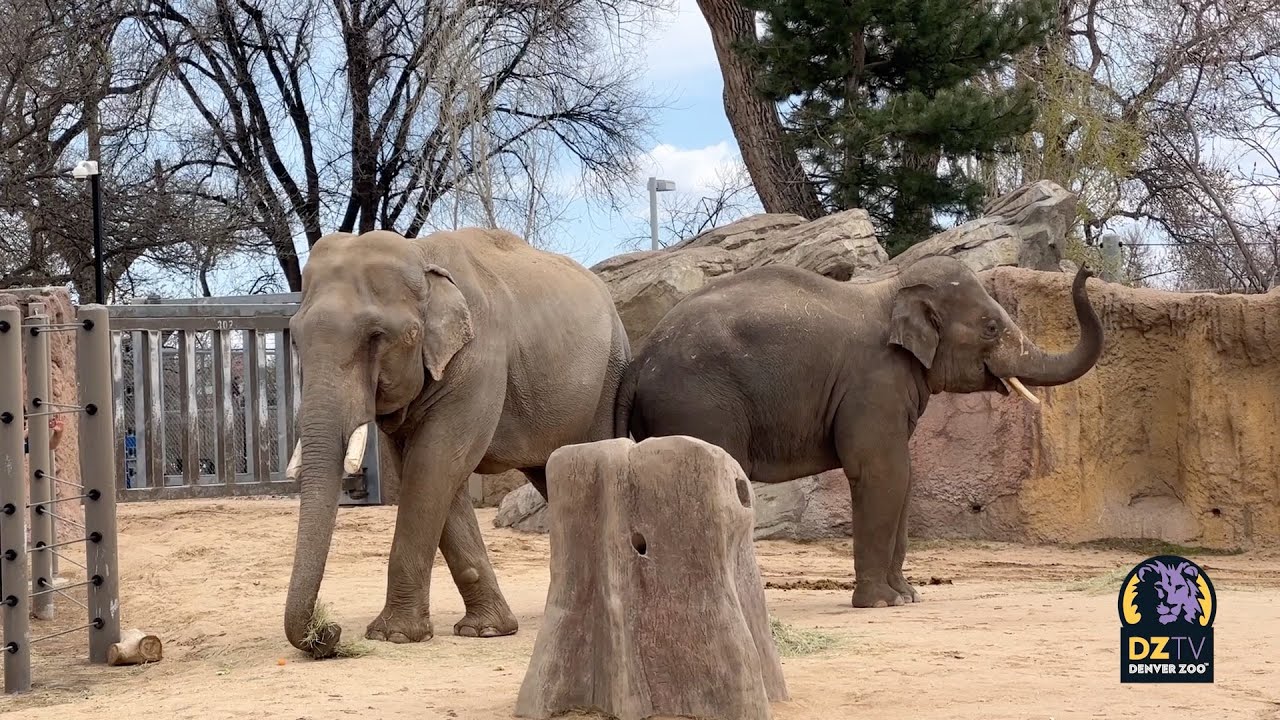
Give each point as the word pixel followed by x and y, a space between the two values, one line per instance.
pixel 446 320
pixel 914 323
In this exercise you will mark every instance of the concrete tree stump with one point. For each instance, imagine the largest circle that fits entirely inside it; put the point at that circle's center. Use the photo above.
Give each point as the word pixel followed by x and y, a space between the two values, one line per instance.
pixel 655 606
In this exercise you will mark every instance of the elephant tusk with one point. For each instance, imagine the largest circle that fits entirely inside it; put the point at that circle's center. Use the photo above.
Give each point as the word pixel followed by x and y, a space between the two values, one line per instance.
pixel 1014 383
pixel 355 450
pixel 295 463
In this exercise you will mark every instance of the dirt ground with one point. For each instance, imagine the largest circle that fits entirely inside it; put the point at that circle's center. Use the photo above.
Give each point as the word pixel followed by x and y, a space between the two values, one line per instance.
pixel 1017 632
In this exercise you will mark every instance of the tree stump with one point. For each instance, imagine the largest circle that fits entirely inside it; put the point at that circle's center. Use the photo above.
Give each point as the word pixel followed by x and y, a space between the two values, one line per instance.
pixel 655 605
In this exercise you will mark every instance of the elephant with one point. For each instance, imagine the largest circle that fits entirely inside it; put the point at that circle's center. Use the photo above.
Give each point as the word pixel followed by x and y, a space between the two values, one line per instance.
pixel 794 374
pixel 474 352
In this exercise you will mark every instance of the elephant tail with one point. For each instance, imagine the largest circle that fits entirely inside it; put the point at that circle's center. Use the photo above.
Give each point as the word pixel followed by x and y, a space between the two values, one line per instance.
pixel 624 402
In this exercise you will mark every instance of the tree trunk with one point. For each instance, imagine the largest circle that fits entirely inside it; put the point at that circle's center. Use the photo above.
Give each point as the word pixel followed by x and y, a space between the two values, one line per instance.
pixel 655 606
pixel 775 168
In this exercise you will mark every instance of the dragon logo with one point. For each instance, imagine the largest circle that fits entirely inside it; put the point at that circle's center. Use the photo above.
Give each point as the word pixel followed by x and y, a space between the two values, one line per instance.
pixel 1167 590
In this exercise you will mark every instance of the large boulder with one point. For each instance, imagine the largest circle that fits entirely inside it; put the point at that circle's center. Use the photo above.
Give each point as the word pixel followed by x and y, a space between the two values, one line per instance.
pixel 1023 228
pixel 645 285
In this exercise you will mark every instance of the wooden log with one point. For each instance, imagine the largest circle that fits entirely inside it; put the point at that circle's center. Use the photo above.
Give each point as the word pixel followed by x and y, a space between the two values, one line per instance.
pixel 655 606
pixel 135 647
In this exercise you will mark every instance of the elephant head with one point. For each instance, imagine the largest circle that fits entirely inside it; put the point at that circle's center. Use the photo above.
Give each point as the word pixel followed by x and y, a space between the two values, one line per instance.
pixel 376 324
pixel 966 341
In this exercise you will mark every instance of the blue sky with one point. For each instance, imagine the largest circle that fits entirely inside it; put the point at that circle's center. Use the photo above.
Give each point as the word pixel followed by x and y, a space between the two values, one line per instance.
pixel 691 136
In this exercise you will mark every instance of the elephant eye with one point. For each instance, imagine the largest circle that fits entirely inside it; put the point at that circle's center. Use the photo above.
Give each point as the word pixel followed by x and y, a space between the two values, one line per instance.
pixel 990 329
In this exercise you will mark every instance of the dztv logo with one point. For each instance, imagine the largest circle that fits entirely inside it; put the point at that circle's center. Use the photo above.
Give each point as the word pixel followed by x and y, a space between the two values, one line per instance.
pixel 1167 605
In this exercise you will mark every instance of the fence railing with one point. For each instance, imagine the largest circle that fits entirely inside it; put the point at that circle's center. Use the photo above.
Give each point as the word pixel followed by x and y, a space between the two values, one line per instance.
pixel 207 390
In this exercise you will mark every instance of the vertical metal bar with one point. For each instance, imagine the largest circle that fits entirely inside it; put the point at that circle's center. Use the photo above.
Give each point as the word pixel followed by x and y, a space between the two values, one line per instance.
pixel 97 452
pixel 38 456
pixel 190 420
pixel 284 417
pixel 13 498
pixel 257 452
pixel 224 421
pixel 246 421
pixel 138 355
pixel 153 401
pixel 117 407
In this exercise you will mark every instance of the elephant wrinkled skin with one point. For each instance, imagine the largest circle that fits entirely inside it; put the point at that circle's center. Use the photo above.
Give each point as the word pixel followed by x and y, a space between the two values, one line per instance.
pixel 795 374
pixel 474 352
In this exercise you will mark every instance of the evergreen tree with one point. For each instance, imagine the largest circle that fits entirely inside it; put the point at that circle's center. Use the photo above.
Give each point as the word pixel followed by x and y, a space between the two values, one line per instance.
pixel 884 98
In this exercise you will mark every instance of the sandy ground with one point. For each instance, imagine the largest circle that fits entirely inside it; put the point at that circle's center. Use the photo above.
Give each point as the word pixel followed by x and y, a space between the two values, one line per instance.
pixel 1019 632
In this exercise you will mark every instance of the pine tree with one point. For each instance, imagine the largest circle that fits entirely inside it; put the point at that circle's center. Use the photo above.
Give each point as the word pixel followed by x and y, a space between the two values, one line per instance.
pixel 884 98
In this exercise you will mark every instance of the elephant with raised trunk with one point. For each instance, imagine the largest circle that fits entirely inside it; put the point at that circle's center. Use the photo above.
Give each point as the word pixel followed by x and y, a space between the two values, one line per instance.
pixel 795 374
pixel 474 352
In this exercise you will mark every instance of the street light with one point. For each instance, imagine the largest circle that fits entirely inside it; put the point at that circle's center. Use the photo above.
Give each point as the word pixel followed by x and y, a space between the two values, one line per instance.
pixel 89 169
pixel 656 186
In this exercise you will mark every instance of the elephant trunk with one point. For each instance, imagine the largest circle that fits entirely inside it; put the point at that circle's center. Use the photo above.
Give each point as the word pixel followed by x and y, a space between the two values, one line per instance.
pixel 326 440
pixel 1025 361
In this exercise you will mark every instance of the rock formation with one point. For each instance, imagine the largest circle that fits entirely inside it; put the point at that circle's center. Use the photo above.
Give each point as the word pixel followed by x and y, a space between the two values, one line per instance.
pixel 655 606
pixel 1171 436
pixel 645 285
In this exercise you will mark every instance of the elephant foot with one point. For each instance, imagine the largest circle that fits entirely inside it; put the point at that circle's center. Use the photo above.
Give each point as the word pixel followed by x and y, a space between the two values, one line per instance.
pixel 908 592
pixel 400 627
pixel 869 594
pixel 487 623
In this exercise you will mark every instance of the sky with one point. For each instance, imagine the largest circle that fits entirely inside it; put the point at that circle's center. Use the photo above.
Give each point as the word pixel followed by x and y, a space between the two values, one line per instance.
pixel 692 137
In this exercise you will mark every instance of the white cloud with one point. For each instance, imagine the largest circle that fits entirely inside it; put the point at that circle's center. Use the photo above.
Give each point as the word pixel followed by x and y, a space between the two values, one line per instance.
pixel 680 45
pixel 694 170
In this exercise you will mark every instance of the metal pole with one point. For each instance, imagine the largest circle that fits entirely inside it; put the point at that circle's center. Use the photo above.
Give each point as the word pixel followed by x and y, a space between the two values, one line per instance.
pixel 100 290
pixel 13 499
pixel 38 457
pixel 653 212
pixel 97 463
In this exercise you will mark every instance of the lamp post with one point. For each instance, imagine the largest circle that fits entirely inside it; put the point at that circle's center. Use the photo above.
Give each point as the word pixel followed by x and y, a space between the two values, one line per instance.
pixel 89 169
pixel 656 186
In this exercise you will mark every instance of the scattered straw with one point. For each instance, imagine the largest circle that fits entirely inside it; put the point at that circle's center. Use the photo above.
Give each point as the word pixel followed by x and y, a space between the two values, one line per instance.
pixel 321 619
pixel 793 642
pixel 1108 582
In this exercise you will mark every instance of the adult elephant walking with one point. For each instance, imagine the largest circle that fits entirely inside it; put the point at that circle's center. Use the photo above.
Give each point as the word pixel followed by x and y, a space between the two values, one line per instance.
pixel 474 352
pixel 794 374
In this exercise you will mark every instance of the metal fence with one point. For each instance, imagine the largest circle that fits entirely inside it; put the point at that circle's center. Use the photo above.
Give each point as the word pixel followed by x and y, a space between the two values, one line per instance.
pixel 207 390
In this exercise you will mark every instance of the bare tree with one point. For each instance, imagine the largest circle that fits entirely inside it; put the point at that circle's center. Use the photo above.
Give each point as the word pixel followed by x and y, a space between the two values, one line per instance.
pixel 1162 114
pixel 77 81
pixel 423 114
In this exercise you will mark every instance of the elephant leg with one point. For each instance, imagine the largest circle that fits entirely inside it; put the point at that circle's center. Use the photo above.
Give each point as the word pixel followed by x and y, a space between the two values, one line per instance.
pixel 538 479
pixel 437 464
pixel 898 580
pixel 877 467
pixel 464 551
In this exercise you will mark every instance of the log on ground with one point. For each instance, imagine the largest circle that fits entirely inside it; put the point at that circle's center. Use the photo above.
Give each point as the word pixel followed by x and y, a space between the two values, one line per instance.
pixel 135 647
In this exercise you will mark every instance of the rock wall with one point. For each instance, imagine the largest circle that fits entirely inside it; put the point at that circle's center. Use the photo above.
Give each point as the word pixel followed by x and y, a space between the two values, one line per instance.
pixel 62 384
pixel 1173 435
